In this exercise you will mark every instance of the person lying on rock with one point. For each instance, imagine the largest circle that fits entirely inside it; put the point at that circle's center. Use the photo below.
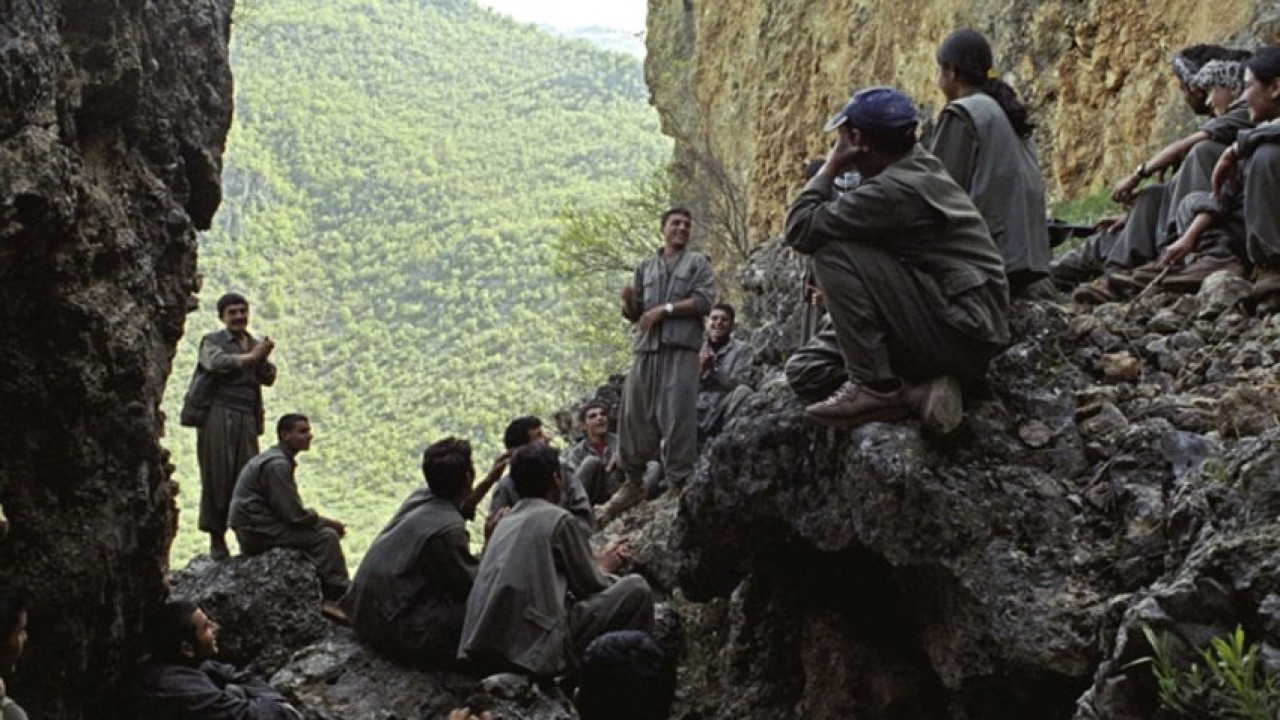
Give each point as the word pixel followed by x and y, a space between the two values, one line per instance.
pixel 266 511
pixel 182 681
pixel 909 273
pixel 540 596
pixel 13 630
pixel 409 596
pixel 524 431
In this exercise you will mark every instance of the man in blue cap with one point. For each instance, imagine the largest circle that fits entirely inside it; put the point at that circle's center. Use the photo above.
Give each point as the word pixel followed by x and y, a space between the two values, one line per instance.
pixel 912 280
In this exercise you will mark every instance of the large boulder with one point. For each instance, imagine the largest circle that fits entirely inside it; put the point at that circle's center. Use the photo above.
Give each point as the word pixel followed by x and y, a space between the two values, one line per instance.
pixel 1115 471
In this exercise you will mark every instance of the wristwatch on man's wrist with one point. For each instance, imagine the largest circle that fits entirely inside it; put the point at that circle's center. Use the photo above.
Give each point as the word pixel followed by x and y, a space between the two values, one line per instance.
pixel 669 309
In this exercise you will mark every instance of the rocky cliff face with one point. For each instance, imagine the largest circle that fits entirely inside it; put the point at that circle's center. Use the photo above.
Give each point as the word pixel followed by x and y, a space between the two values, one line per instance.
pixel 745 87
pixel 1119 471
pixel 113 115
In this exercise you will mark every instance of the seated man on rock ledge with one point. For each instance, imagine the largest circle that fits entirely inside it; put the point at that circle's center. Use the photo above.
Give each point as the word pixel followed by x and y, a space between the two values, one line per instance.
pixel 540 596
pixel 910 275
pixel 266 512
pixel 409 596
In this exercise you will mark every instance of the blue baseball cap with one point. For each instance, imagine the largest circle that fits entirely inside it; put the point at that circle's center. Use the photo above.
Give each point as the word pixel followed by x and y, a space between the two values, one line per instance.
pixel 880 110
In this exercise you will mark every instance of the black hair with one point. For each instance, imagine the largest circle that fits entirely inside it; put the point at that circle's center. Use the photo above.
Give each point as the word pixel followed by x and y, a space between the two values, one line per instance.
pixel 733 314
pixel 677 210
pixel 625 677
pixel 582 411
pixel 230 299
pixel 517 432
pixel 168 627
pixel 288 422
pixel 533 470
pixel 13 602
pixel 1265 63
pixel 1198 55
pixel 446 466
pixel 898 143
pixel 968 53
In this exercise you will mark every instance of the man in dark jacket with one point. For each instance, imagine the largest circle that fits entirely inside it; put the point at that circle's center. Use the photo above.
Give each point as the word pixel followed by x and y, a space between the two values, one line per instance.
pixel 224 403
pixel 910 275
pixel 409 596
pixel 266 511
pixel 182 681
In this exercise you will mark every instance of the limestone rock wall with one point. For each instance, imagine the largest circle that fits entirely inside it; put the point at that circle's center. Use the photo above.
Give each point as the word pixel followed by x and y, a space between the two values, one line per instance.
pixel 113 116
pixel 748 85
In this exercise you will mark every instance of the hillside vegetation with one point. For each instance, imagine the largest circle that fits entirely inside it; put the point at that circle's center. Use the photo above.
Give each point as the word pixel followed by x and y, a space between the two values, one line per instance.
pixel 393 184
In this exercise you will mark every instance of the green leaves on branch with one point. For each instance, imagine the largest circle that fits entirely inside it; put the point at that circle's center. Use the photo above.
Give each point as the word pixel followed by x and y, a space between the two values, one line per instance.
pixel 608 238
pixel 1229 683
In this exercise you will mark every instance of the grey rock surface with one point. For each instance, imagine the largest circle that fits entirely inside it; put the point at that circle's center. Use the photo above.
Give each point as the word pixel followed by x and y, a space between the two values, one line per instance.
pixel 113 117
pixel 268 605
pixel 1116 470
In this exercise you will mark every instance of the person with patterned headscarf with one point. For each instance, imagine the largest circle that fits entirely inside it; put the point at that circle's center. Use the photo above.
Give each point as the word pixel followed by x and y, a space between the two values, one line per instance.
pixel 1151 223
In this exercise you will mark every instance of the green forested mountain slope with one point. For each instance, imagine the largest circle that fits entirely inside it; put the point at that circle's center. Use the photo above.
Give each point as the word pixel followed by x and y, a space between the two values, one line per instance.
pixel 392 183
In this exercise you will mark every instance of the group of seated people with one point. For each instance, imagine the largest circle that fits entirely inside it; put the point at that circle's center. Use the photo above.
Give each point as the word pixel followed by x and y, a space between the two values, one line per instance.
pixel 916 253
pixel 1215 212
pixel 621 675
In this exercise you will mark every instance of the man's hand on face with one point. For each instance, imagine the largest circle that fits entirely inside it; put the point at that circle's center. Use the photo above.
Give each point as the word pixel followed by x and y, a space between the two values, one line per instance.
pixel 843 153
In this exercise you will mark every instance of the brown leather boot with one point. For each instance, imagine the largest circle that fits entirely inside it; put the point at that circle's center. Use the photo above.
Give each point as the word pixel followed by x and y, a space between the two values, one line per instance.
pixel 629 494
pixel 854 404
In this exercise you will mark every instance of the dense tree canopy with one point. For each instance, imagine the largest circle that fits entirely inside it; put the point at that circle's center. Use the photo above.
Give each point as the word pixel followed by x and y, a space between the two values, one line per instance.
pixel 394 183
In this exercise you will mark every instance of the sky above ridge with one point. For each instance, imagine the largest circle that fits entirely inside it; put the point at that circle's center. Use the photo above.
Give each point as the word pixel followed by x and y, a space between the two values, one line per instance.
pixel 626 15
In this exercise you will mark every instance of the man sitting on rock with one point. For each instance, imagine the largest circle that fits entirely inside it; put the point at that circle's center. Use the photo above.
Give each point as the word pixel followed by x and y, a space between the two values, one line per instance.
pixel 182 681
pixel 593 460
pixel 540 596
pixel 266 511
pixel 909 273
pixel 409 596
pixel 528 430
pixel 724 366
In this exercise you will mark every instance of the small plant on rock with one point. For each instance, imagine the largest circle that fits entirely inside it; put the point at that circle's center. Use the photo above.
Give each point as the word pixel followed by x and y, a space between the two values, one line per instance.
pixel 1231 684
